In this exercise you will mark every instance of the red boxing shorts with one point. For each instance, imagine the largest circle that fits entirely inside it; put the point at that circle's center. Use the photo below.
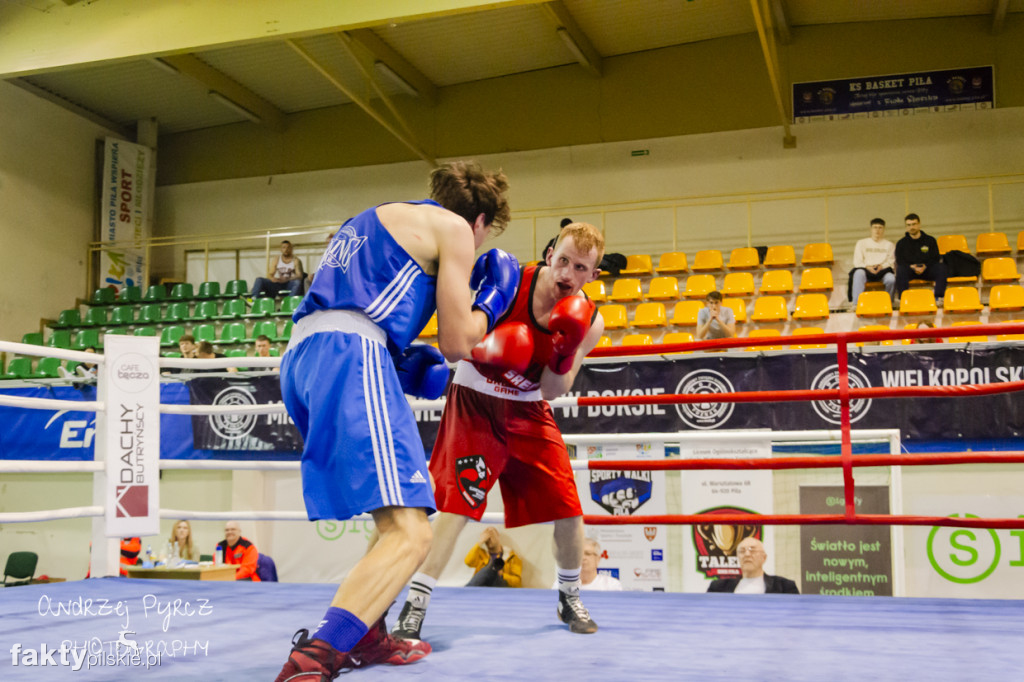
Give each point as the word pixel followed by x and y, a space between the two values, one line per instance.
pixel 483 439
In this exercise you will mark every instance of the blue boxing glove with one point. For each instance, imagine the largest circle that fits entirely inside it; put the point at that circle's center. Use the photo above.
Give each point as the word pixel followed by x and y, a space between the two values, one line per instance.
pixel 495 279
pixel 422 371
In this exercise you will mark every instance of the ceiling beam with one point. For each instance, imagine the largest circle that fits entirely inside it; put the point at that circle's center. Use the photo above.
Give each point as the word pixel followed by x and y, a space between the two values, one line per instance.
pixel 999 8
pixel 88 114
pixel 575 39
pixel 215 81
pixel 764 32
pixel 335 79
pixel 381 51
pixel 781 19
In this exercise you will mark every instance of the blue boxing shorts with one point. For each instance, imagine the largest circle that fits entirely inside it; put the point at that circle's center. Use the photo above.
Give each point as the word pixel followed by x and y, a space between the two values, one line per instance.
pixel 362 447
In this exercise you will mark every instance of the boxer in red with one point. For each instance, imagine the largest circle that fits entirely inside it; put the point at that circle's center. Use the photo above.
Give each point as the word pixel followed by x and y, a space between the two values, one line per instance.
pixel 498 427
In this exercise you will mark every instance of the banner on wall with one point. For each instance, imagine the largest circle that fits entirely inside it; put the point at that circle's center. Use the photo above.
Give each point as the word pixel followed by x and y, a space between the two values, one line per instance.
pixel 127 189
pixel 635 555
pixel 894 94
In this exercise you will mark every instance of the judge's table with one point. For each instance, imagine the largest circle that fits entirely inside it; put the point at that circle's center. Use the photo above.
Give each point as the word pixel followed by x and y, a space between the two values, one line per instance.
pixel 201 571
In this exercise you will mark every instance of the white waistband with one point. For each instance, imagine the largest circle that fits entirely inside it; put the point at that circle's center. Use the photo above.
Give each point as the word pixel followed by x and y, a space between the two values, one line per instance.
pixel 349 321
pixel 467 375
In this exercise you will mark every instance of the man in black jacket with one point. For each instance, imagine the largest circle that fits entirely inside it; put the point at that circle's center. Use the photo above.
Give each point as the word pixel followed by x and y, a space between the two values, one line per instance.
pixel 755 581
pixel 917 257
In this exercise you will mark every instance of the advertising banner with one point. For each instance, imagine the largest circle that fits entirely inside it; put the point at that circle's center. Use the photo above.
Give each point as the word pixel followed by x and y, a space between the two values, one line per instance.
pixel 249 432
pixel 895 94
pixel 127 188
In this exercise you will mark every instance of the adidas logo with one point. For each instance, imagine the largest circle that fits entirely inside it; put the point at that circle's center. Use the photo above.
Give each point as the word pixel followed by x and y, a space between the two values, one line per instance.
pixel 417 478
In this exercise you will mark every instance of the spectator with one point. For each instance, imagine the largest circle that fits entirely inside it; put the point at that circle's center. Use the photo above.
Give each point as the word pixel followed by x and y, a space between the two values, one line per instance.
pixel 715 321
pixel 239 551
pixel 187 346
pixel 874 258
pixel 182 534
pixel 754 581
pixel 590 579
pixel 917 257
pixel 263 349
pixel 286 274
pixel 493 568
pixel 205 352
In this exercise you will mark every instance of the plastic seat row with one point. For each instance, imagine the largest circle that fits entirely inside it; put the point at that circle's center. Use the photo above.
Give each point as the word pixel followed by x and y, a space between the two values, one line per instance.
pixel 957 300
pixel 643 339
pixel 743 258
pixel 231 333
pixel 666 288
pixel 156 293
pixel 985 244
pixel 684 314
pixel 178 311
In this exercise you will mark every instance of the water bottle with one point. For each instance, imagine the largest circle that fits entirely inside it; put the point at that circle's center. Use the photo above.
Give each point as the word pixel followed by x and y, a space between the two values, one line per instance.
pixel 175 559
pixel 147 559
pixel 216 556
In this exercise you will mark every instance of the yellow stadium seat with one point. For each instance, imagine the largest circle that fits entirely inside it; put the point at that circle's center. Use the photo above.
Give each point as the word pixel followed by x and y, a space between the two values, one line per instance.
pixel 817 254
pixel 761 334
pixel 770 309
pixel 663 289
pixel 1006 297
pixel 738 284
pixel 776 282
pixel 952 242
pixel 698 286
pixel 604 342
pixel 625 290
pixel 966 339
pixel 677 337
pixel 1011 337
pixel 918 302
pixel 739 308
pixel 595 291
pixel 780 257
pixel 431 329
pixel 672 262
pixel 816 279
pixel 874 304
pixel 991 244
pixel 614 315
pixel 811 307
pixel 874 328
pixel 744 258
pixel 808 331
pixel 685 313
pixel 1020 242
pixel 637 340
pixel 961 300
pixel 639 264
pixel 706 261
pixel 649 315
pixel 1002 269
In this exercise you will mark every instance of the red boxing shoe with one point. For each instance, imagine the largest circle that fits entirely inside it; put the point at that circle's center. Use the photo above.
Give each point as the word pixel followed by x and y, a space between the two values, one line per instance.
pixel 378 646
pixel 312 660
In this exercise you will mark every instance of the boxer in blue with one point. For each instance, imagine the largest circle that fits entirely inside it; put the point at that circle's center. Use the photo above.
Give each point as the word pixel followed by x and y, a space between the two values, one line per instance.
pixel 345 375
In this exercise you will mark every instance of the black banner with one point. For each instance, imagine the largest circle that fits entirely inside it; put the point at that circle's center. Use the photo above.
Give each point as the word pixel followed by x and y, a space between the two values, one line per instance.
pixel 259 432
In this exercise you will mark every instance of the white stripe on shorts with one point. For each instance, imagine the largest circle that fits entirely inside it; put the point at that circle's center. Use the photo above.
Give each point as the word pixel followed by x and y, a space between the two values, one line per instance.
pixel 380 425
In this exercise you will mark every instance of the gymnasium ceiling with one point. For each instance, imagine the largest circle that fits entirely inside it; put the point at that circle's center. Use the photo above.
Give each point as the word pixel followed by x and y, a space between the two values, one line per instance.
pixel 121 61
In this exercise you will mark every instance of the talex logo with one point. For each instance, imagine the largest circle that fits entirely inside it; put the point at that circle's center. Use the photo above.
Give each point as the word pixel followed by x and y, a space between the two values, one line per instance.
pixel 74 433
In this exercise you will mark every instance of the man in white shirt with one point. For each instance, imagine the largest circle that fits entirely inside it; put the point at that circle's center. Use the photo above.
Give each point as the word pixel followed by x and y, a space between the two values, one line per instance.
pixel 754 581
pixel 874 260
pixel 590 579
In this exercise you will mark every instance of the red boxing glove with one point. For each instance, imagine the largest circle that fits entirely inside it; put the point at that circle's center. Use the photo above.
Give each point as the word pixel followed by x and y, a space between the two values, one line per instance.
pixel 509 346
pixel 569 323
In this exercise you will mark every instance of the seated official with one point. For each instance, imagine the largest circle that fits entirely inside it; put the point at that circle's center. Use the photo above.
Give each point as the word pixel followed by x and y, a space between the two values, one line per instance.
pixel 590 579
pixel 239 551
pixel 493 567
pixel 754 581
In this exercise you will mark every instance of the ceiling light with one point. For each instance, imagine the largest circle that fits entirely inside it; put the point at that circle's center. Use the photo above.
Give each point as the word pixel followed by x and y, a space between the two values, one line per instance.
pixel 234 106
pixel 389 74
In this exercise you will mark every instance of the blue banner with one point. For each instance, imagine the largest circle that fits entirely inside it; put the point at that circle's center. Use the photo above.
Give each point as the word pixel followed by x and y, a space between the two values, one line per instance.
pixel 969 88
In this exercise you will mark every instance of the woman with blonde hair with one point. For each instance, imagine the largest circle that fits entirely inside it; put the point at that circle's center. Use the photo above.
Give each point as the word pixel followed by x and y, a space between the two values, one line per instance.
pixel 182 534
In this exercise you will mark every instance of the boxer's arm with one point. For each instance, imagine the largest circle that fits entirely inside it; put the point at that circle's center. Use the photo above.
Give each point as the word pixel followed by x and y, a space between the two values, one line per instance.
pixel 553 385
pixel 459 327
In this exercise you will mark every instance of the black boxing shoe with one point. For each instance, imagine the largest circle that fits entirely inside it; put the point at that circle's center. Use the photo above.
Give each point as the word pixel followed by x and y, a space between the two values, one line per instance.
pixel 573 613
pixel 409 623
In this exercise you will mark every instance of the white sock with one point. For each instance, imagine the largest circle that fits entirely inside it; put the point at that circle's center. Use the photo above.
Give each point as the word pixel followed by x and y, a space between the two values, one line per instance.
pixel 569 580
pixel 420 588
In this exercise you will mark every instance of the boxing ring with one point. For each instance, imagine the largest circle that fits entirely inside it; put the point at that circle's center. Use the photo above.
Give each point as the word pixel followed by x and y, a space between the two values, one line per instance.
pixel 128 629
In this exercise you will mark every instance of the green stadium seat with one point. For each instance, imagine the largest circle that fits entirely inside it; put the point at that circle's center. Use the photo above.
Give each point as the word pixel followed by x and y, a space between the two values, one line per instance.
pixel 118 331
pixel 171 354
pixel 233 332
pixel 33 338
pixel 205 310
pixel 205 332
pixel 209 290
pixel 71 367
pixel 234 353
pixel 156 293
pixel 95 317
pixel 145 331
pixel 289 305
pixel 129 296
pixel 104 296
pixel 261 307
pixel 286 333
pixel 86 338
pixel 235 288
pixel 67 318
pixel 19 368
pixel 170 334
pixel 149 313
pixel 59 338
pixel 176 312
pixel 265 327
pixel 182 292
pixel 275 352
pixel 123 316
pixel 47 368
pixel 233 308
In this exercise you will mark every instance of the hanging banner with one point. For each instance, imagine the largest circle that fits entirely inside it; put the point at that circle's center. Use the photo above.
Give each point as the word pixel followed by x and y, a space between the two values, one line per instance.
pixel 131 394
pixel 250 432
pixel 894 95
pixel 709 549
pixel 128 186
pixel 635 555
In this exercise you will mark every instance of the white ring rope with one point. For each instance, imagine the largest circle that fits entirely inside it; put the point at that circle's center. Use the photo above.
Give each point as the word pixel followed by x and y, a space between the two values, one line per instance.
pixel 28 403
pixel 45 466
pixel 51 514
pixel 51 352
pixel 219 363
pixel 191 515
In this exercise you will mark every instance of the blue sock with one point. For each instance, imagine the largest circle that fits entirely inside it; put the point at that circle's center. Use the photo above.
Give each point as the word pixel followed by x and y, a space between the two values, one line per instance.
pixel 340 629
